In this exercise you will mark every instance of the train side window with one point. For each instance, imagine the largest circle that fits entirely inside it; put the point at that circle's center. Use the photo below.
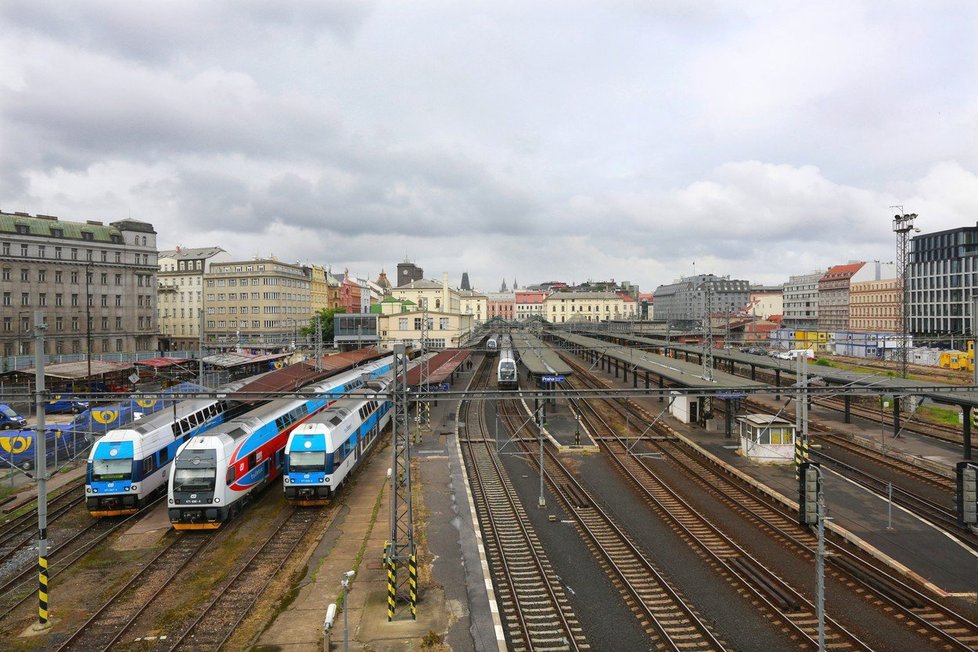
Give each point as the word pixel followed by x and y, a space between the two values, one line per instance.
pixel 193 420
pixel 229 477
pixel 175 428
pixel 164 455
pixel 280 423
pixel 149 465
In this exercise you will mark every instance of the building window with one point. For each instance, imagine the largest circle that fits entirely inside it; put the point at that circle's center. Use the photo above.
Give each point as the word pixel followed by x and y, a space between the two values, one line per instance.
pixel 42 299
pixel 88 235
pixel 118 323
pixel 6 298
pixel 58 277
pixel 118 301
pixel 25 299
pixel 42 276
pixel 105 301
pixel 6 273
pixel 25 275
pixel 23 250
pixel 105 323
pixel 74 253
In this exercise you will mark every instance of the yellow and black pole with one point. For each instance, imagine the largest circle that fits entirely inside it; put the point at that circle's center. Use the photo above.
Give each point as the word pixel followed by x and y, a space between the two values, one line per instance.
pixel 41 466
pixel 413 582
pixel 391 587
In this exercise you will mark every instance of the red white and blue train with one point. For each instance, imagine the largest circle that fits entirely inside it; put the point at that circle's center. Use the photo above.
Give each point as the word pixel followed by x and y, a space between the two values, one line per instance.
pixel 216 473
pixel 326 449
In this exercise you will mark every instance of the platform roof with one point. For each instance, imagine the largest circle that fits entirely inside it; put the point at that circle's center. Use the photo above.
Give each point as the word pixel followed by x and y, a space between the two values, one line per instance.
pixel 540 359
pixel 160 363
pixel 79 369
pixel 829 375
pixel 440 366
pixel 676 371
pixel 304 373
pixel 228 360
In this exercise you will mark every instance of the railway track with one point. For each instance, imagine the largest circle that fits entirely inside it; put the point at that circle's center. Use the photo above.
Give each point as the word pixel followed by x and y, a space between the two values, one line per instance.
pixel 20 532
pixel 23 585
pixel 536 611
pixel 942 625
pixel 220 617
pixel 780 599
pixel 107 625
pixel 665 614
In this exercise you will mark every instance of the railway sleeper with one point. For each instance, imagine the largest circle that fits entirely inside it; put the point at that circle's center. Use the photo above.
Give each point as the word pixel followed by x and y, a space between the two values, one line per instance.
pixel 784 600
pixel 575 496
pixel 884 585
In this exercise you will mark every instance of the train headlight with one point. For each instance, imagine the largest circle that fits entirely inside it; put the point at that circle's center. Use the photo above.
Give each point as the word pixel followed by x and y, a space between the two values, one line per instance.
pixel 287 480
pixel 170 501
pixel 94 490
pixel 134 487
pixel 88 490
pixel 217 500
pixel 322 478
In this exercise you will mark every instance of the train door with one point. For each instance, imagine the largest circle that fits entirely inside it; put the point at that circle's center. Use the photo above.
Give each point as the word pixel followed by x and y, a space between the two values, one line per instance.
pixel 280 459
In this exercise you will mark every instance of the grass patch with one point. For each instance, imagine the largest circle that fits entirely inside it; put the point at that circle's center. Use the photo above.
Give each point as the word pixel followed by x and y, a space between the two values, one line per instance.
pixel 935 414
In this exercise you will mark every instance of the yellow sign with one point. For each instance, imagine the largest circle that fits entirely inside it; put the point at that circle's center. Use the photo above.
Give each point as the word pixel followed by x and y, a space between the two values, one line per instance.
pixel 15 445
pixel 105 416
pixel 146 402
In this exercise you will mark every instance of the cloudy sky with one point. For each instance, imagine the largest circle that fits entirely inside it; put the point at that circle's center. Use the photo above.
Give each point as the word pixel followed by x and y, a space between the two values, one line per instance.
pixel 629 139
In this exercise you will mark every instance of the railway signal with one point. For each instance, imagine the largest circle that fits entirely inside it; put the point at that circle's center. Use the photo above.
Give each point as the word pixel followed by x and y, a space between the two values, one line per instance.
pixel 809 488
pixel 967 493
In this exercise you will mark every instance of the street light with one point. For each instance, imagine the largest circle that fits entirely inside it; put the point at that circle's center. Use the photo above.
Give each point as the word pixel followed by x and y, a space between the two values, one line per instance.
pixel 902 225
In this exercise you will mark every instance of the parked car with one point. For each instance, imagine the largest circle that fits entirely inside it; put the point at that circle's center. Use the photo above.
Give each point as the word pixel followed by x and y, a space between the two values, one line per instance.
pixel 10 419
pixel 64 405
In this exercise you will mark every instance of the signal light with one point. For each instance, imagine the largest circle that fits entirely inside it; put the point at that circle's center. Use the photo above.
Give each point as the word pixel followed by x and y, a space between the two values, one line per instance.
pixel 966 494
pixel 809 486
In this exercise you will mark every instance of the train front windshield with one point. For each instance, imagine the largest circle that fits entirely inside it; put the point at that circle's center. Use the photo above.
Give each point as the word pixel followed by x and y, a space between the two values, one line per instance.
pixel 300 461
pixel 200 478
pixel 109 470
pixel 507 371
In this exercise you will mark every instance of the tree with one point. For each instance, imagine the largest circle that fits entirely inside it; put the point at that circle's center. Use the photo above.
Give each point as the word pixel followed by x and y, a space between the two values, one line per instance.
pixel 325 323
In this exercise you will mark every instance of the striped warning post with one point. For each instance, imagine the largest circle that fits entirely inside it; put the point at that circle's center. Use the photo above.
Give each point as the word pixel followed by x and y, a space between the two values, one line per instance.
pixel 413 581
pixel 42 591
pixel 391 587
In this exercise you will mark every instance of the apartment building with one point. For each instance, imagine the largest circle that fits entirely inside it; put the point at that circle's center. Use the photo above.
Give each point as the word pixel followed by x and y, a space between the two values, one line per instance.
pixel 874 299
pixel 686 299
pixel 262 301
pixel 563 307
pixel 95 284
pixel 180 294
pixel 801 301
pixel 833 297
pixel 529 304
pixel 501 305
pixel 475 304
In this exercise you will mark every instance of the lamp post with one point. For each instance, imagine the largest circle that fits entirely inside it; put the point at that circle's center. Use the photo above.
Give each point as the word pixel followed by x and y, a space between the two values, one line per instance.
pixel 903 225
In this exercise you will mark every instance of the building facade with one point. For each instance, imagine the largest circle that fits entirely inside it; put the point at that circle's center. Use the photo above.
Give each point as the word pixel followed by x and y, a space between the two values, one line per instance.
pixel 431 295
pixel 686 299
pixel 475 304
pixel 256 302
pixel 180 299
pixel 801 300
pixel 942 279
pixel 564 307
pixel 833 297
pixel 95 284
pixel 874 299
pixel 501 305
pixel 766 302
pixel 529 304
pixel 445 330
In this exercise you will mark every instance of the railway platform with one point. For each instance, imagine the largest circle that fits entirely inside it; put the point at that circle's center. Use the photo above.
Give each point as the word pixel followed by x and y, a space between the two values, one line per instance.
pixel 920 551
pixel 453 603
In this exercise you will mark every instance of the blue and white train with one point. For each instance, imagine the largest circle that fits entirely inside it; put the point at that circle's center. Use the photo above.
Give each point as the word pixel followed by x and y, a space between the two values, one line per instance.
pixel 322 452
pixel 216 473
pixel 506 376
pixel 128 466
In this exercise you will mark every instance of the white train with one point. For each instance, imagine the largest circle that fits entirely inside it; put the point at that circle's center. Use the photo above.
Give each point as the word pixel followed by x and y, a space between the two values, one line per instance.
pixel 322 452
pixel 506 376
pixel 216 473
pixel 129 466
pixel 492 344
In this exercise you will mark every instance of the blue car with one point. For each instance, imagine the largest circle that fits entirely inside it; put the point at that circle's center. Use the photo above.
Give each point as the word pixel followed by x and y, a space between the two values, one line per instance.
pixel 10 419
pixel 62 405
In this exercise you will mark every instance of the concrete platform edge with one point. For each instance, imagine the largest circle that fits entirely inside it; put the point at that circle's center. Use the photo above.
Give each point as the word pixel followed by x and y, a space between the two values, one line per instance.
pixel 483 562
